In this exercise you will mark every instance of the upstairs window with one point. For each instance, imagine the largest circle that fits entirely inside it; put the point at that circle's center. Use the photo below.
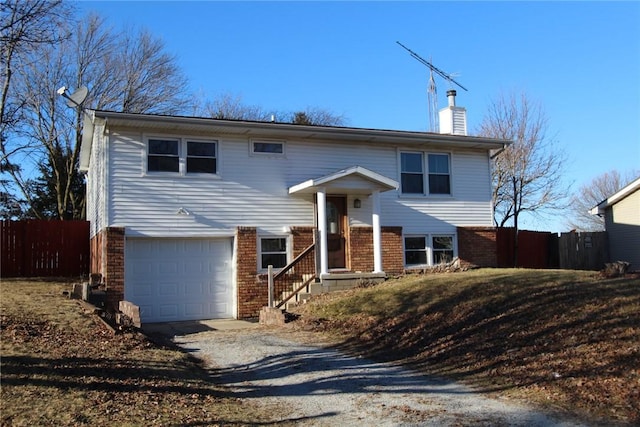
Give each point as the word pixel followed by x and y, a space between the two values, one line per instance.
pixel 201 157
pixel 412 173
pixel 439 182
pixel 163 155
pixel 268 147
pixel 426 178
pixel 182 156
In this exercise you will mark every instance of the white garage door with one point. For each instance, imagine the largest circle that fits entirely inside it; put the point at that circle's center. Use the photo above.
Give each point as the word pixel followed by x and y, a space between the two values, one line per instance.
pixel 179 279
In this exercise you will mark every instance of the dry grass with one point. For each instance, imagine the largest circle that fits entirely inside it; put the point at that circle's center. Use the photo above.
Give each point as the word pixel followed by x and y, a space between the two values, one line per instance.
pixel 566 339
pixel 63 367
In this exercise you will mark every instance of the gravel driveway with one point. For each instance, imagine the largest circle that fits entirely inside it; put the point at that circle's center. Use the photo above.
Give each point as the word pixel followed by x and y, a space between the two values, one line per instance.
pixel 320 386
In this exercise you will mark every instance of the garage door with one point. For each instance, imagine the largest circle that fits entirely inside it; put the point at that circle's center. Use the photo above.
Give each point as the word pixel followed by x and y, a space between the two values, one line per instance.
pixel 179 279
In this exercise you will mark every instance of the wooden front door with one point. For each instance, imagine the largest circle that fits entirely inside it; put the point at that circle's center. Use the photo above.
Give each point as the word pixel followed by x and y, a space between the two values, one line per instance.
pixel 336 231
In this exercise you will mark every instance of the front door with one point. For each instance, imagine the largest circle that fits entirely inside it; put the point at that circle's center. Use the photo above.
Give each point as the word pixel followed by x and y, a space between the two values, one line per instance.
pixel 336 228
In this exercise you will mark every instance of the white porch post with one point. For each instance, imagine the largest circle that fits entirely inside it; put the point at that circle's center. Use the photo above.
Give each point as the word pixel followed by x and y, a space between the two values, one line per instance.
pixel 322 228
pixel 377 236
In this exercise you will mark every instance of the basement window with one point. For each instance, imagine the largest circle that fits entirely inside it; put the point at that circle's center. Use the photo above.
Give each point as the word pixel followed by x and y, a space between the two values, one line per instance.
pixel 442 249
pixel 428 250
pixel 273 251
pixel 415 250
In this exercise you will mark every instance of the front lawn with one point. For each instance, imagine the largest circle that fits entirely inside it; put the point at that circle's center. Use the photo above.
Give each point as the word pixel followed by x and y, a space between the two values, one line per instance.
pixel 62 367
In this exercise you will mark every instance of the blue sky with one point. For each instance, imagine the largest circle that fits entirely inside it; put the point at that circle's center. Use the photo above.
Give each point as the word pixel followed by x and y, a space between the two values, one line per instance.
pixel 580 60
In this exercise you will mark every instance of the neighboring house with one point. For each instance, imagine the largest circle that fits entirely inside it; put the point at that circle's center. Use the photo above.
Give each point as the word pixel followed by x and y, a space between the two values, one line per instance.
pixel 621 213
pixel 187 213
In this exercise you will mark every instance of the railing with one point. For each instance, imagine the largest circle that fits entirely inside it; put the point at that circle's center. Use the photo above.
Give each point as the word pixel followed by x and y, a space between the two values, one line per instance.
pixel 293 278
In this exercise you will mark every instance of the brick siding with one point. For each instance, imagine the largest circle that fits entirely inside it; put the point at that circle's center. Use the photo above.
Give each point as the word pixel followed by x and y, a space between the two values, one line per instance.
pixel 252 292
pixel 361 249
pixel 109 244
pixel 477 246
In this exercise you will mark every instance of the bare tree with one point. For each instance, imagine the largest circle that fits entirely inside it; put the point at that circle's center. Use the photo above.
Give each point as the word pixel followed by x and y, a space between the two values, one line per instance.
pixel 25 25
pixel 527 175
pixel 228 106
pixel 592 193
pixel 316 116
pixel 124 72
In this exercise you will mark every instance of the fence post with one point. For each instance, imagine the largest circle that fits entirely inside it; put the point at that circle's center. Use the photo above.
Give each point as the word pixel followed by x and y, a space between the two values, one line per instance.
pixel 270 295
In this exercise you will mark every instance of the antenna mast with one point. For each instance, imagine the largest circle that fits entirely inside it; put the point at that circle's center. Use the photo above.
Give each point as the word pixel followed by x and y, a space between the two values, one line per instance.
pixel 432 92
pixel 432 96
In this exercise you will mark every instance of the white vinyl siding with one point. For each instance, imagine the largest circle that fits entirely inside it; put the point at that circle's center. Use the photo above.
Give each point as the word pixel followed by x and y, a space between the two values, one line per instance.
pixel 253 190
pixel 97 183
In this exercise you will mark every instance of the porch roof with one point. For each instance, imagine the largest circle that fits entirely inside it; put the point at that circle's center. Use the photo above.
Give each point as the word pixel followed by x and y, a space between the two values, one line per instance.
pixel 353 180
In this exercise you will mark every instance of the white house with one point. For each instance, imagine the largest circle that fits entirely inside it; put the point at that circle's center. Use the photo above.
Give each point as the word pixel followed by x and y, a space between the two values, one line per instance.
pixel 621 213
pixel 187 213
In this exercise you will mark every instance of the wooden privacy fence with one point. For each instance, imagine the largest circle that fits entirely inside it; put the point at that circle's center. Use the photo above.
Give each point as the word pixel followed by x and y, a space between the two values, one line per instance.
pixel 541 249
pixel 583 251
pixel 40 248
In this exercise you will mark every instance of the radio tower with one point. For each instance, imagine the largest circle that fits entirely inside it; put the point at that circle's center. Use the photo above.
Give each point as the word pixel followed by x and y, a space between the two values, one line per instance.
pixel 432 93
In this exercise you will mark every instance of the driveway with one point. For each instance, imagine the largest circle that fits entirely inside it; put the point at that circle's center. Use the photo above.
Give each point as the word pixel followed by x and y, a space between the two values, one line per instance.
pixel 319 386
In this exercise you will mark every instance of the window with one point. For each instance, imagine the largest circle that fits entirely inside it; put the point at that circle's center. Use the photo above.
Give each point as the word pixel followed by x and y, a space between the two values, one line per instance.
pixel 414 179
pixel 267 147
pixel 425 250
pixel 439 182
pixel 415 250
pixel 442 249
pixel 273 251
pixel 182 156
pixel 201 157
pixel 412 175
pixel 163 155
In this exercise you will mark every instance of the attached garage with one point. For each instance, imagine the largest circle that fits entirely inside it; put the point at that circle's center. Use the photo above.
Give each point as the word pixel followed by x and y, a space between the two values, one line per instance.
pixel 179 279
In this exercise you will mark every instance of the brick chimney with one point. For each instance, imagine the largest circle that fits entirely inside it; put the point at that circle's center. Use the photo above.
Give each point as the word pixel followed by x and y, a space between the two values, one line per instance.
pixel 453 120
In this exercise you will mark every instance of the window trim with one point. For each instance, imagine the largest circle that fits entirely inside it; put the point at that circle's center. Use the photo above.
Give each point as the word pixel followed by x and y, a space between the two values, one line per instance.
pixel 182 156
pixel 425 174
pixel 252 151
pixel 287 250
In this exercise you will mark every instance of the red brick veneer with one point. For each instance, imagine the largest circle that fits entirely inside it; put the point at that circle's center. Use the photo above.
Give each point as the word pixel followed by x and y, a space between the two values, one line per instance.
pixel 477 246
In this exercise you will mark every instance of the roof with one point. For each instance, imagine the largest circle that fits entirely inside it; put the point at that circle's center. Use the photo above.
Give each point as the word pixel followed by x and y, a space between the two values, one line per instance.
pixel 255 129
pixel 629 189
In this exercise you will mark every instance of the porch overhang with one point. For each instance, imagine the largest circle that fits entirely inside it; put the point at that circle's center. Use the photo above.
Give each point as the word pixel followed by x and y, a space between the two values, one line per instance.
pixel 353 180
